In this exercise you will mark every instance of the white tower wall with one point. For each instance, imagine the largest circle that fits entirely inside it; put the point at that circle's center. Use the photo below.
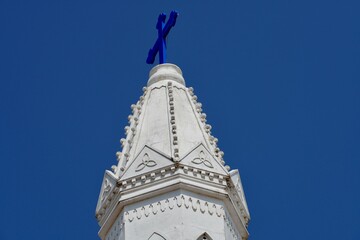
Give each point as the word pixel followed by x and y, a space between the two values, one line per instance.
pixel 179 214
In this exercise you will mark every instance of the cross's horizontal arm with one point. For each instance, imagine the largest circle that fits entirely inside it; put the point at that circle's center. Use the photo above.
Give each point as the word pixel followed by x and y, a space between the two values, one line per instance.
pixel 170 23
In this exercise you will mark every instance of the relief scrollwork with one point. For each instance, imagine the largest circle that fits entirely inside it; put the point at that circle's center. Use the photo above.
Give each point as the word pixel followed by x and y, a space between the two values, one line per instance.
pixel 146 162
pixel 202 159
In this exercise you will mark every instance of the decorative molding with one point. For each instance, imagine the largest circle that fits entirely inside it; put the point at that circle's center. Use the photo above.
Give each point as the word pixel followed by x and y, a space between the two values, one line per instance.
pixel 202 159
pixel 236 193
pixel 239 190
pixel 106 188
pixel 230 225
pixel 116 229
pixel 239 203
pixel 181 201
pixel 146 162
pixel 158 175
pixel 172 121
pixel 130 132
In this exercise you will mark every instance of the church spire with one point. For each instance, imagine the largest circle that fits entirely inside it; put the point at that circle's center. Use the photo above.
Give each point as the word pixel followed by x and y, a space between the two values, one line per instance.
pixel 169 119
pixel 170 163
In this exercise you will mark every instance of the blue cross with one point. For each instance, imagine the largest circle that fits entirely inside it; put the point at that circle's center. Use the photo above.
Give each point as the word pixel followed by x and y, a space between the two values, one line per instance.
pixel 163 31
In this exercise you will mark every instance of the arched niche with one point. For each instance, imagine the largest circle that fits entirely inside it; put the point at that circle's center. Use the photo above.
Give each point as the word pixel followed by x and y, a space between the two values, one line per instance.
pixel 156 236
pixel 204 236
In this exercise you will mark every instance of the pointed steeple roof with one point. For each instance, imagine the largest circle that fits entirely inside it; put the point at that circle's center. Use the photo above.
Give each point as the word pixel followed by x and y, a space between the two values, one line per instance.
pixel 169 121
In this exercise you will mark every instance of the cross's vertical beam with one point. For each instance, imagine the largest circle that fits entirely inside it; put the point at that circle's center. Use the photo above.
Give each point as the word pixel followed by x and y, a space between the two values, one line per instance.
pixel 162 44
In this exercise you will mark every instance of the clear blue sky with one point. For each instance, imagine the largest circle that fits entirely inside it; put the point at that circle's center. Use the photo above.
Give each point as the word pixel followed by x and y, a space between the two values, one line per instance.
pixel 279 81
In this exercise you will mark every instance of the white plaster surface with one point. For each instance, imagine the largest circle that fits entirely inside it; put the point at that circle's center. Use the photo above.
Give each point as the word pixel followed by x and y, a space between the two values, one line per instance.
pixel 154 128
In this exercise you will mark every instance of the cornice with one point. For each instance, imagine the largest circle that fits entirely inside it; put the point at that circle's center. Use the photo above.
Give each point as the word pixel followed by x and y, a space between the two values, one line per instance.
pixel 158 182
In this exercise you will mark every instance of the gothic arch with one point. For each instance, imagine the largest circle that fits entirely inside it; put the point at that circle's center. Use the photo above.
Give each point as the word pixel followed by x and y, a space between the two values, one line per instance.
pixel 204 236
pixel 156 236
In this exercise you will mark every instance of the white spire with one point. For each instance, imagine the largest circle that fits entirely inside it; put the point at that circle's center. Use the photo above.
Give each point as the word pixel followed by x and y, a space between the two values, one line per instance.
pixel 168 119
pixel 169 158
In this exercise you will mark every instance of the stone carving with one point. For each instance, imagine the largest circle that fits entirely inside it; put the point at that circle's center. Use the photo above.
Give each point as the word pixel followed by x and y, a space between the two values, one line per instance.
pixel 146 162
pixel 182 201
pixel 107 187
pixel 201 159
